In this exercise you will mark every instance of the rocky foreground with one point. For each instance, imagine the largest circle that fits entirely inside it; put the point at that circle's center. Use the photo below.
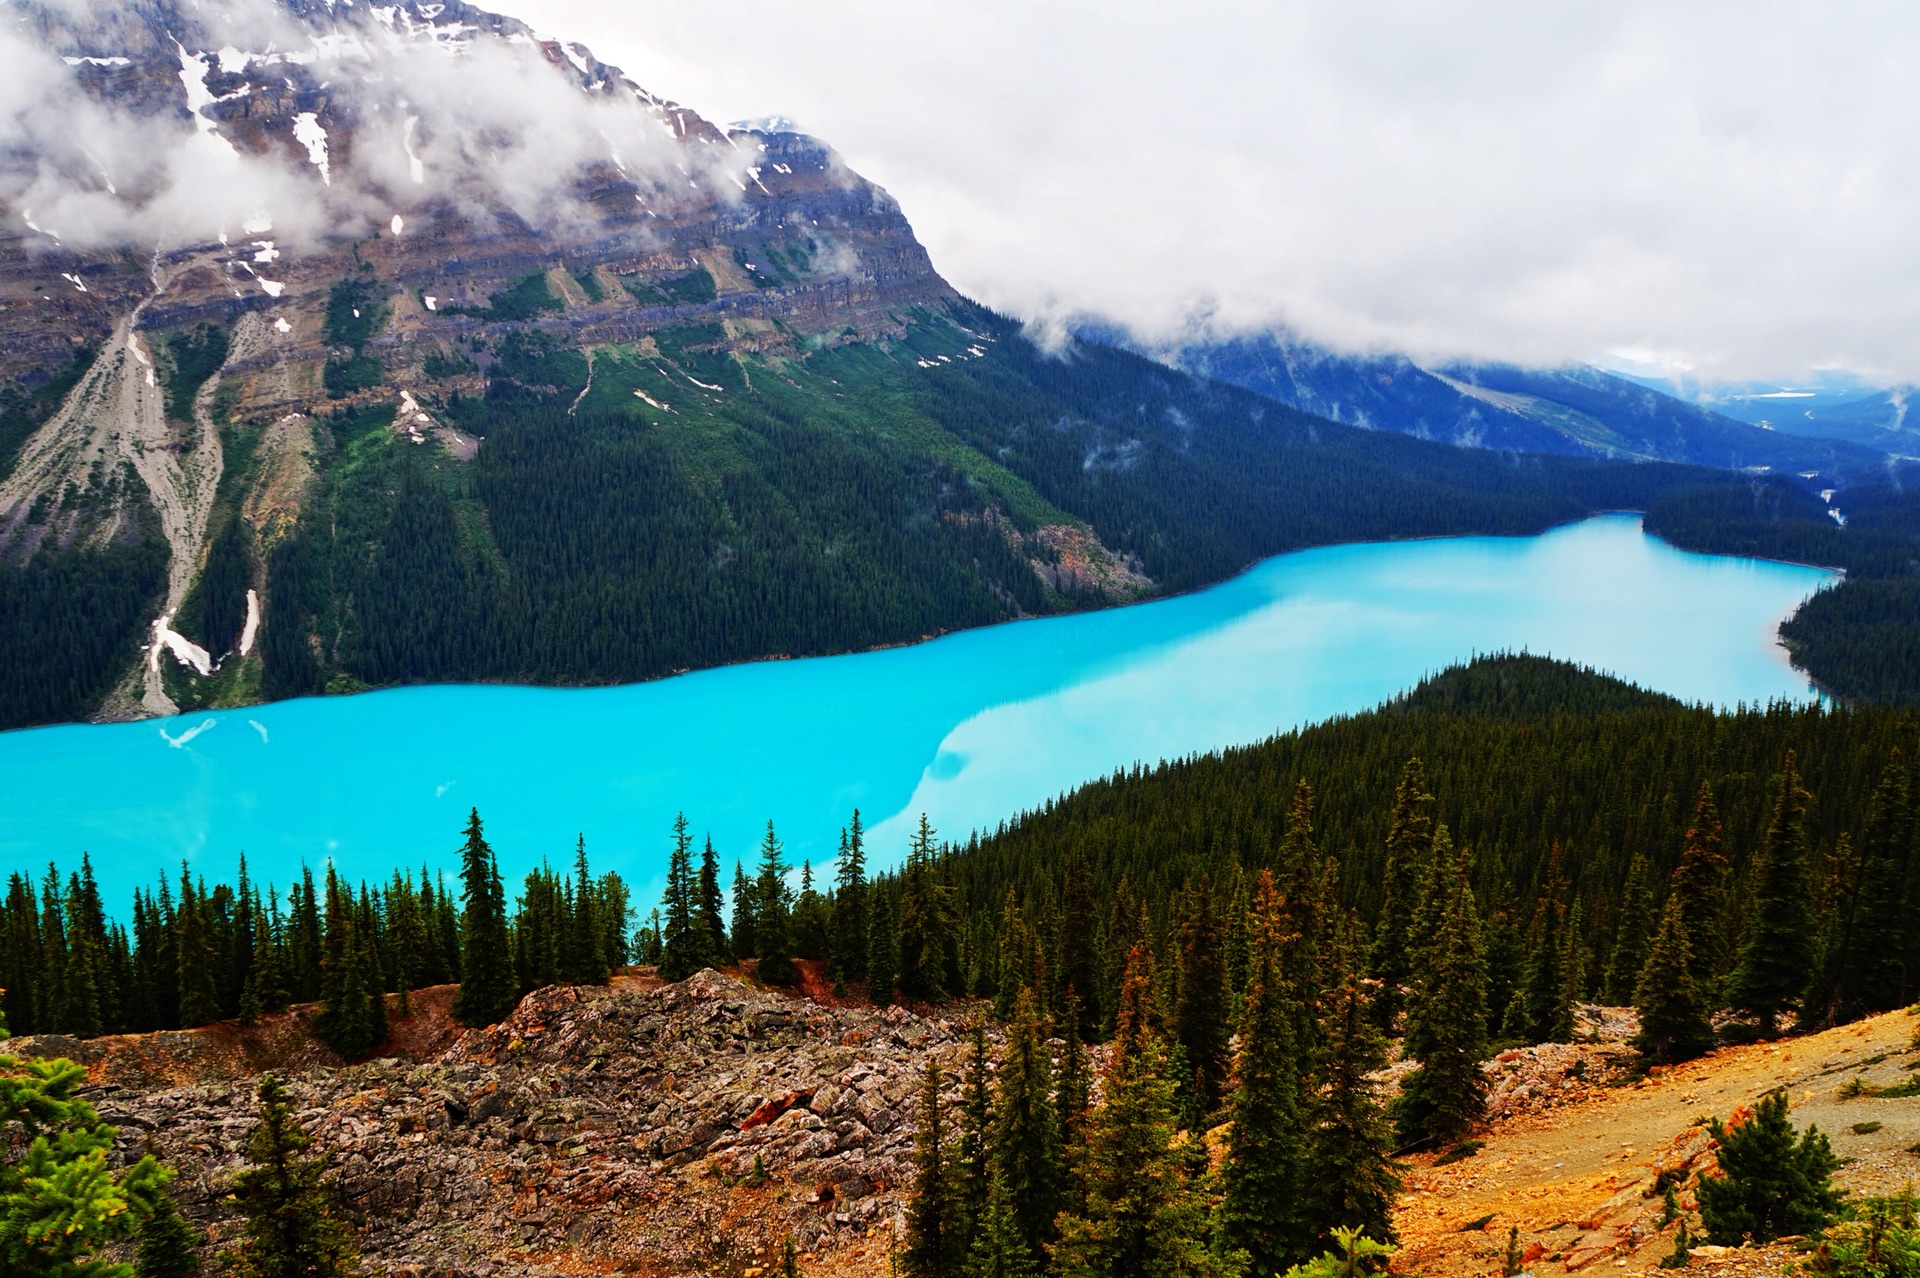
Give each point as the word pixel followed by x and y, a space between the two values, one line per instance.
pixel 670 1130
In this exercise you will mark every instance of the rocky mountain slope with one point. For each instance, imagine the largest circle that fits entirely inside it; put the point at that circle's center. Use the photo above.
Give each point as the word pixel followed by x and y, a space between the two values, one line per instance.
pixel 692 1128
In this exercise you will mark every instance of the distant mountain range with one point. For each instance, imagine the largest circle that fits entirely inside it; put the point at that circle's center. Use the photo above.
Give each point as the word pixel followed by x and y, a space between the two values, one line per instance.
pixel 1578 410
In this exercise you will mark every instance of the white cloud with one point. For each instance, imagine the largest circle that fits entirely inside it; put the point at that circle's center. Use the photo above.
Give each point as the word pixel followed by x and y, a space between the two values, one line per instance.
pixel 487 123
pixel 1728 183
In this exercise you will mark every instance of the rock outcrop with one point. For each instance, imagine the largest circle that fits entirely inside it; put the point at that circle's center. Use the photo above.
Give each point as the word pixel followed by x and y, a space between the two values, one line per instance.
pixel 677 1129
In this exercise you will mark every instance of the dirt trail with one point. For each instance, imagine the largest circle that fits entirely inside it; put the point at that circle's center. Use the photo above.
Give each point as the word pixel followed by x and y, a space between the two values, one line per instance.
pixel 1577 1179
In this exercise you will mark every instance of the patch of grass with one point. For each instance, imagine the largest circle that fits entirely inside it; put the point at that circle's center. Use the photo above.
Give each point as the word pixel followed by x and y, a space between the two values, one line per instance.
pixel 356 310
pixel 357 372
pixel 589 281
pixel 691 289
pixel 1477 1224
pixel 527 298
pixel 446 364
pixel 194 356
pixel 1866 1128
pixel 1465 1149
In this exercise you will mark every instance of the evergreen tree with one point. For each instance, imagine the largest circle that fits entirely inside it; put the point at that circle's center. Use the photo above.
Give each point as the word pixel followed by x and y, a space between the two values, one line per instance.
pixel 1673 1022
pixel 61 1202
pixel 194 953
pixel 712 905
pixel 1201 1020
pixel 808 925
pixel 1353 1181
pixel 487 993
pixel 583 950
pixel 882 949
pixel 1506 966
pixel 1864 966
pixel 847 964
pixel 926 925
pixel 168 1247
pixel 1143 1218
pixel 1409 856
pixel 305 944
pixel 1024 1145
pixel 351 1019
pixel 1541 1011
pixel 1770 1186
pixel 682 952
pixel 285 1201
pixel 773 940
pixel 1078 951
pixel 745 943
pixel 930 1251
pixel 1633 937
pixel 999 1250
pixel 1073 1097
pixel 1446 1030
pixel 1263 1211
pixel 1700 881
pixel 1778 953
pixel 970 1162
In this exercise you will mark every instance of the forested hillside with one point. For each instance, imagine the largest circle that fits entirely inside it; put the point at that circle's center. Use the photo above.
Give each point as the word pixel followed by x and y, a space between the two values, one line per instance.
pixel 1860 639
pixel 681 503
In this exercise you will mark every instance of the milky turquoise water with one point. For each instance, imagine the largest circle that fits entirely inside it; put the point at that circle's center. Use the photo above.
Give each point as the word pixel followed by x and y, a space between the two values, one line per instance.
pixel 970 728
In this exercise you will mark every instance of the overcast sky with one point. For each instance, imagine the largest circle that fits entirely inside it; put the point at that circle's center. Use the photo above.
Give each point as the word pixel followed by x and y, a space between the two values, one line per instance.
pixel 1730 188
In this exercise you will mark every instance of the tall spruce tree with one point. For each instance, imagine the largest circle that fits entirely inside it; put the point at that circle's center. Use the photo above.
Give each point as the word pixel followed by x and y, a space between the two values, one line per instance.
pixel 882 949
pixel 970 1160
pixel 1263 1211
pixel 1409 856
pixel 1201 1021
pixel 1353 1181
pixel 1446 1030
pixel 1774 962
pixel 168 1246
pixel 1143 1217
pixel 583 950
pixel 745 911
pixel 1673 1021
pixel 284 1197
pixel 682 953
pixel 1700 881
pixel 848 963
pixel 487 990
pixel 1633 934
pixel 712 905
pixel 1024 1143
pixel 928 913
pixel 931 1250
pixel 772 931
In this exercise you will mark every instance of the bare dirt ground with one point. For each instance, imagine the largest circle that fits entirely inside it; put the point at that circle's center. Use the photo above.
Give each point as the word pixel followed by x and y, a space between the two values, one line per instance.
pixel 1577 1178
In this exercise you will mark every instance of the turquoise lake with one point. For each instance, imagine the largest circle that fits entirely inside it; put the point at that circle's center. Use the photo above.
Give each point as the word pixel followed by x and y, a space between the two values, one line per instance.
pixel 970 728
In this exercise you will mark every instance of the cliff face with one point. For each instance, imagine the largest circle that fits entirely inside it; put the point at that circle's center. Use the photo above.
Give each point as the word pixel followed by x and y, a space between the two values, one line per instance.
pixel 246 174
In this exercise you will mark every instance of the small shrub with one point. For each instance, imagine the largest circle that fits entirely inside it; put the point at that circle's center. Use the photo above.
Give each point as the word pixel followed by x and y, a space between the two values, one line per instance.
pixel 1866 1129
pixel 1880 1238
pixel 1465 1149
pixel 1770 1185
pixel 1682 1250
pixel 1357 1255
